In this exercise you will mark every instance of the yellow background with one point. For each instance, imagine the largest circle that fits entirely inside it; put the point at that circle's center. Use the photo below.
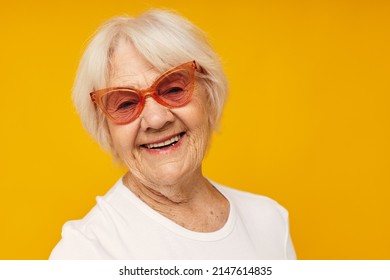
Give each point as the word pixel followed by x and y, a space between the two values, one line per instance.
pixel 307 122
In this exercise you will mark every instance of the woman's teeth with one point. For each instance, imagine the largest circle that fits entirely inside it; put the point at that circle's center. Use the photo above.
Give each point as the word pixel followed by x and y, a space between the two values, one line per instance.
pixel 168 142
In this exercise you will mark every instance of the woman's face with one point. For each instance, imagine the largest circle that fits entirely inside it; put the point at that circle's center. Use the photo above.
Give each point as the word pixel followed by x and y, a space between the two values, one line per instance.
pixel 162 146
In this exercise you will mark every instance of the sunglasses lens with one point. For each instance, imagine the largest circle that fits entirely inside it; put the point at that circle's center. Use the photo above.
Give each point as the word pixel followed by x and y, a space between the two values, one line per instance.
pixel 122 105
pixel 176 88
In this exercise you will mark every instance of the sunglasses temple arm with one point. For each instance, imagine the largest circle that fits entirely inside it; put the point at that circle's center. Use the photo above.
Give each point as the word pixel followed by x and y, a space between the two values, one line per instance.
pixel 93 96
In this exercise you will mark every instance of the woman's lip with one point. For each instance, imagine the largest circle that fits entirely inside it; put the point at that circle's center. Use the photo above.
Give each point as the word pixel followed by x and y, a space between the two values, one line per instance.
pixel 163 139
pixel 167 149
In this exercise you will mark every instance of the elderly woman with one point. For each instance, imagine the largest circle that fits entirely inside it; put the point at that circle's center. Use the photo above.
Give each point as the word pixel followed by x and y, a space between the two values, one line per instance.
pixel 151 90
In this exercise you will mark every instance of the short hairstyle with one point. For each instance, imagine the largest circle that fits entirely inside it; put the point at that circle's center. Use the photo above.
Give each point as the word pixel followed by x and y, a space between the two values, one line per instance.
pixel 165 40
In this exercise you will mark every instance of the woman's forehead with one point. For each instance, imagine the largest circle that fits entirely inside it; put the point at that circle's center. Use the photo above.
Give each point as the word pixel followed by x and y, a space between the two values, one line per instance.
pixel 126 58
pixel 128 66
pixel 142 79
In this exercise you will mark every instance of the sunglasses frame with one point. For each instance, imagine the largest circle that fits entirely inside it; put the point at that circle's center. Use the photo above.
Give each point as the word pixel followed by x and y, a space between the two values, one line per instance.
pixel 97 96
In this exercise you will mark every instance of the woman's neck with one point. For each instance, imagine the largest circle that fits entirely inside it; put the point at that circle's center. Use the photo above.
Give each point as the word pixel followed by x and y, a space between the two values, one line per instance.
pixel 192 203
pixel 179 192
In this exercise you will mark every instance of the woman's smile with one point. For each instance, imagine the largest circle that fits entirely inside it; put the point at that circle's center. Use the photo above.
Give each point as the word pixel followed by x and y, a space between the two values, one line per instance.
pixel 165 145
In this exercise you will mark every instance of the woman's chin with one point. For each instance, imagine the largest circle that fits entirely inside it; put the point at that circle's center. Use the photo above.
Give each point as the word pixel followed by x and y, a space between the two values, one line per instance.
pixel 169 175
pixel 166 178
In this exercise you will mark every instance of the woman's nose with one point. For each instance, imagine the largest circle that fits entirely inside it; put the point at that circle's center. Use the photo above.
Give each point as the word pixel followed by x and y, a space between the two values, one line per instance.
pixel 154 115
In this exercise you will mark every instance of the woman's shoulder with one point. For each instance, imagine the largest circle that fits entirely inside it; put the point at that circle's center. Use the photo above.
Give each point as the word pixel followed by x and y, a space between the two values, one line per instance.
pixel 78 240
pixel 263 218
pixel 81 237
pixel 98 214
pixel 251 202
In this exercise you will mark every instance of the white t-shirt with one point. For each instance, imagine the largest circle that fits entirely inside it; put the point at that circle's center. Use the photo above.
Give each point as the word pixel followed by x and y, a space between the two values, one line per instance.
pixel 121 226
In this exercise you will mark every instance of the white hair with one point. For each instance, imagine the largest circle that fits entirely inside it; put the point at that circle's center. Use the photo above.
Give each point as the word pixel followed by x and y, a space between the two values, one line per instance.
pixel 165 40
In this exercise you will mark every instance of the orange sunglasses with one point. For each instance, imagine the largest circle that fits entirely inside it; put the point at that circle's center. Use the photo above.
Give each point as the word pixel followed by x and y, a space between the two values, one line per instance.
pixel 172 89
